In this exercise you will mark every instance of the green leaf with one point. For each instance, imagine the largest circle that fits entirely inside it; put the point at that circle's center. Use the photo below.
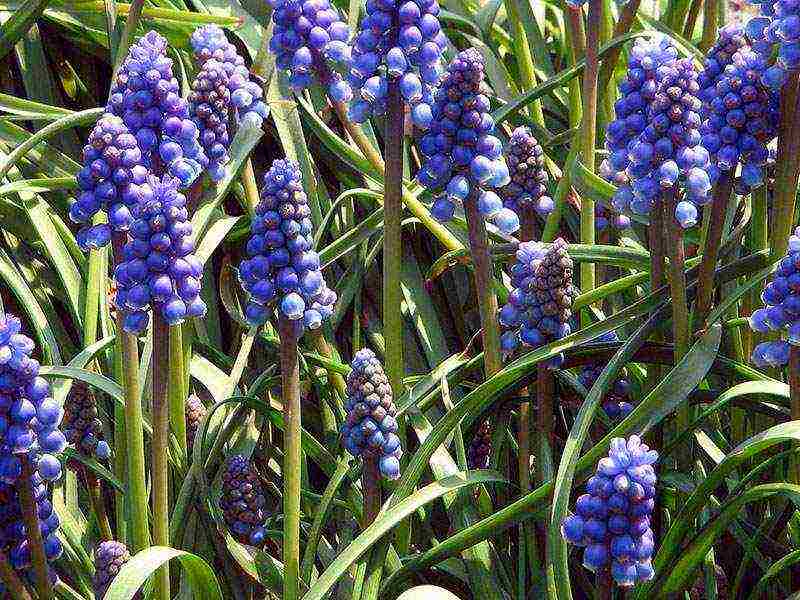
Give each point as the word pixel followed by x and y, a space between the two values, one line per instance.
pixel 17 26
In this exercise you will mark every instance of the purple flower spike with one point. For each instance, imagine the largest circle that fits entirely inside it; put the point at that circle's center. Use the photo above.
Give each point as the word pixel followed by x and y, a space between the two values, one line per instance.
pixel 282 266
pixel 209 104
pixel 244 502
pixel 612 520
pixel 528 187
pixel 109 558
pixel 370 429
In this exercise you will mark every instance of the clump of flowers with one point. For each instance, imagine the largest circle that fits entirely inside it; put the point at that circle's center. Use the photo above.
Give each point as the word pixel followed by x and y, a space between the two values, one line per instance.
pixel 109 557
pixel 777 26
pixel 243 501
pixel 742 118
pixel 370 430
pixel 539 306
pixel 82 427
pixel 730 39
pixel 282 265
pixel 528 187
pixel 195 412
pixel 400 42
pixel 480 447
pixel 113 169
pixel 309 35
pixel 146 96
pixel 209 42
pixel 617 403
pixel 612 520
pixel 781 310
pixel 158 268
pixel 463 158
pixel 209 105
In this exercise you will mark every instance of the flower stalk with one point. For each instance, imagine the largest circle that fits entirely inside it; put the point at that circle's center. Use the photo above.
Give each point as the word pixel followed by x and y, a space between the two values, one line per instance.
pixel 30 516
pixel 178 391
pixel 11 580
pixel 371 484
pixel 95 490
pixel 159 466
pixel 788 166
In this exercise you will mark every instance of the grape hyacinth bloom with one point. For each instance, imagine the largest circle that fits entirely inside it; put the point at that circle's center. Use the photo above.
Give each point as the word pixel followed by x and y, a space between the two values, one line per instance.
pixel 309 37
pixel 146 96
pixel 195 412
pixel 282 265
pixel 781 310
pixel 617 402
pixel 113 169
pixel 528 187
pixel 209 105
pixel 398 41
pixel 370 430
pixel 159 269
pixel 109 557
pixel 243 501
pixel 730 39
pixel 209 42
pixel 82 427
pixel 612 520
pixel 539 306
pixel 480 447
pixel 742 119
pixel 463 158
pixel 777 26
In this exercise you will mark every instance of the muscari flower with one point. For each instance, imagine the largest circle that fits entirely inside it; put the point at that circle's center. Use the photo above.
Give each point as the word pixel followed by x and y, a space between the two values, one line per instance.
pixel 209 42
pixel 463 158
pixel 528 187
pixel 480 447
pixel 243 501
pixel 146 96
pixel 209 105
pixel 781 310
pixel 195 412
pixel 741 119
pixel 109 557
pixel 82 427
pixel 113 169
pixel 309 37
pixel 612 520
pixel 158 268
pixel 617 403
pixel 730 39
pixel 778 26
pixel 398 41
pixel 539 306
pixel 282 265
pixel 370 429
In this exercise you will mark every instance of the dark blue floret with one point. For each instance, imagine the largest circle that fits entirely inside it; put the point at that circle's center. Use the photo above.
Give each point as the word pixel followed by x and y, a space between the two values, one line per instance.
pixel 282 265
pixel 539 306
pixel 159 269
pixel 147 97
pixel 209 42
pixel 243 501
pixel 397 40
pixel 612 520
pixel 527 190
pixel 209 105
pixel 109 558
pixel 113 169
pixel 463 158
pixel 309 38
pixel 370 430
pixel 82 427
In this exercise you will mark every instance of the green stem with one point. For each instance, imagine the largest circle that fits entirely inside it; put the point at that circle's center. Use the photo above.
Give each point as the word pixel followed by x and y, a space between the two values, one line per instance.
pixel 360 138
pixel 788 164
pixel 487 300
pixel 131 23
pixel 177 386
pixel 159 465
pixel 11 580
pixel 30 516
pixel 545 387
pixel 98 505
pixel 524 56
pixel 622 26
pixel 691 19
pixel 290 382
pixel 392 240
pixel 710 24
pixel 705 285
pixel 134 427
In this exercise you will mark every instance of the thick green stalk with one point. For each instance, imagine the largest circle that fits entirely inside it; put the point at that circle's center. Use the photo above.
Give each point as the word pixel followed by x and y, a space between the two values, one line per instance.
pixel 177 386
pixel 710 24
pixel 525 59
pixel 134 428
pixel 487 300
pixel 30 516
pixel 359 137
pixel 11 580
pixel 98 505
pixel 290 383
pixel 392 238
pixel 691 19
pixel 787 167
pixel 159 464
pixel 705 281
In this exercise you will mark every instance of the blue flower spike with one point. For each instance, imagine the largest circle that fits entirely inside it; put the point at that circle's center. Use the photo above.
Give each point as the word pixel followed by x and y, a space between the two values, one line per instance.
pixel 527 190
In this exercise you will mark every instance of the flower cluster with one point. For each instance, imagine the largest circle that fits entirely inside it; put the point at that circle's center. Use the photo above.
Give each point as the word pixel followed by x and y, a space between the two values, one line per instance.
pixel 158 267
pixel 402 42
pixel 667 157
pixel 539 307
pixel 209 105
pixel 370 429
pixel 243 502
pixel 146 96
pixel 82 427
pixel 282 263
pixel 29 416
pixel 605 218
pixel 195 412
pixel 781 310
pixel 730 39
pixel 113 169
pixel 480 447
pixel 741 118
pixel 462 156
pixel 307 35
pixel 109 557
pixel 209 42
pixel 617 402
pixel 528 187
pixel 778 25
pixel 612 519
